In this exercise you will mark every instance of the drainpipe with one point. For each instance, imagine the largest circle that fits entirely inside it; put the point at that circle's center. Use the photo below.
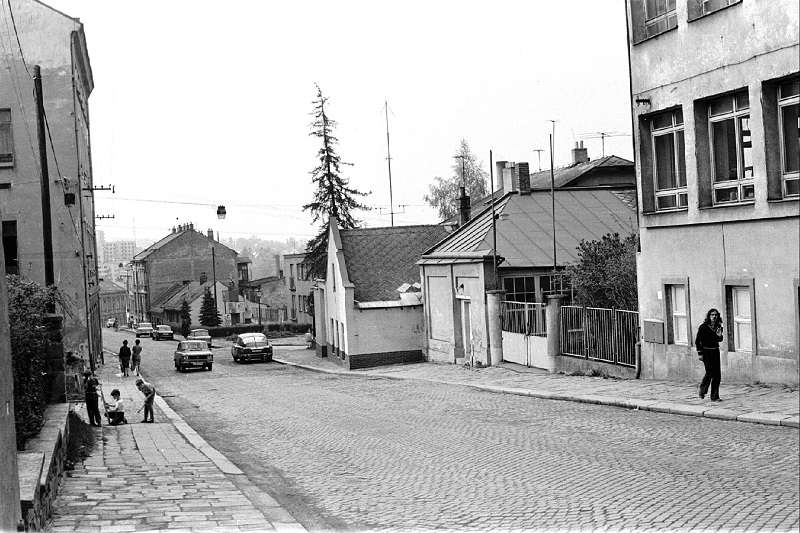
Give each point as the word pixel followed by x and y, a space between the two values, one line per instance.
pixel 638 359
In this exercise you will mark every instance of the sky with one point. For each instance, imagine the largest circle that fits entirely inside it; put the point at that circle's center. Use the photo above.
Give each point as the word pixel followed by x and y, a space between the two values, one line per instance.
pixel 198 104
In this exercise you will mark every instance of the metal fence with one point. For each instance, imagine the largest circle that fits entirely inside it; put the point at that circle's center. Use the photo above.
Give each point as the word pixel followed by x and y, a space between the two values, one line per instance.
pixel 524 317
pixel 608 335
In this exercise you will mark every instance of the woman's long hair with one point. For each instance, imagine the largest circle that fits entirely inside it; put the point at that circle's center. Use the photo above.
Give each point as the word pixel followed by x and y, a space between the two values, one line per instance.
pixel 707 321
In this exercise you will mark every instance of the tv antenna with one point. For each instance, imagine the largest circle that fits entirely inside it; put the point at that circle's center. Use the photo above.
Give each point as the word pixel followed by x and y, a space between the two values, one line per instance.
pixel 602 136
pixel 539 153
pixel 389 161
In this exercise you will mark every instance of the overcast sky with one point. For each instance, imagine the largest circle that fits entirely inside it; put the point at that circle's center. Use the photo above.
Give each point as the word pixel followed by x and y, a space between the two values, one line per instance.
pixel 207 103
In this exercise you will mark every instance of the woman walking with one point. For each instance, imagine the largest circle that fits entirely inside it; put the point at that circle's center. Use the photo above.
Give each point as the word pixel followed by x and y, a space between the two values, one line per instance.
pixel 707 342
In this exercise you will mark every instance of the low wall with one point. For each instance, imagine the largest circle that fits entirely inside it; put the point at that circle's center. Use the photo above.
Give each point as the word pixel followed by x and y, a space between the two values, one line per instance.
pixel 40 467
pixel 577 365
pixel 386 358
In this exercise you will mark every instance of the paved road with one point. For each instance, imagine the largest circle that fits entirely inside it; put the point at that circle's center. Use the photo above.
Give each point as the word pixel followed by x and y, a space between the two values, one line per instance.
pixel 358 453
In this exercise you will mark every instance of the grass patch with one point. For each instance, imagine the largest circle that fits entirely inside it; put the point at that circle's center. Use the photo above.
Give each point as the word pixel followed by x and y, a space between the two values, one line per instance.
pixel 81 440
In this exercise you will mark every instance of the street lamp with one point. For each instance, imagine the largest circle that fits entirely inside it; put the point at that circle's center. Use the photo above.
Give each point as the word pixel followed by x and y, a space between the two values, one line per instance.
pixel 221 212
pixel 258 295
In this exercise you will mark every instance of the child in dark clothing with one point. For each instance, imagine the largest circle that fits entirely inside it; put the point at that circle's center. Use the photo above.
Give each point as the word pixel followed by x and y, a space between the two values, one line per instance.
pixel 90 385
pixel 124 358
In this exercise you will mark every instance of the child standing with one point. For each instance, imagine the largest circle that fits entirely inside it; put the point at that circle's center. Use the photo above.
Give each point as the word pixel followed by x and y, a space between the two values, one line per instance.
pixel 137 357
pixel 124 358
pixel 116 410
pixel 90 385
pixel 149 396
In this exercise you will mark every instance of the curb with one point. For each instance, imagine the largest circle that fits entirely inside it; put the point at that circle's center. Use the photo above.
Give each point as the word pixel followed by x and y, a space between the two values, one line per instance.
pixel 658 406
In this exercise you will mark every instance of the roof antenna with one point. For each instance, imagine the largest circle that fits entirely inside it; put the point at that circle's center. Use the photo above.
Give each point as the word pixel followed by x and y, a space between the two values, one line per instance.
pixel 389 161
pixel 602 136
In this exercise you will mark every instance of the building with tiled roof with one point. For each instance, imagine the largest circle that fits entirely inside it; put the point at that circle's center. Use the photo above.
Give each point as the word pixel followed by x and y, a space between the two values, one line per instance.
pixel 368 310
pixel 460 270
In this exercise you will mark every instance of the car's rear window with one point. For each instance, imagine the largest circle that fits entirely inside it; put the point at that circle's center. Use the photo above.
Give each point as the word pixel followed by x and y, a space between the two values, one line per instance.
pixel 200 332
pixel 164 328
pixel 255 342
pixel 145 325
pixel 193 346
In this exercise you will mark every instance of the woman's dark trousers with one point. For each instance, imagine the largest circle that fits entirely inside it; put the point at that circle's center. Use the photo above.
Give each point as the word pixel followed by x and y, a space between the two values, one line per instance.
pixel 713 373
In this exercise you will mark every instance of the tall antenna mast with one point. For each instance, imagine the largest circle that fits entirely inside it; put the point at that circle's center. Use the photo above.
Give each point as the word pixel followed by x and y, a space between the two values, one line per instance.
pixel 539 152
pixel 389 161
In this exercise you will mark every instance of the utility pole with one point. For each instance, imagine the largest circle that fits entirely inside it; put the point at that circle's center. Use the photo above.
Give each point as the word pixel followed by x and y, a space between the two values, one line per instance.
pixel 47 229
pixel 494 223
pixel 553 197
pixel 389 160
pixel 214 273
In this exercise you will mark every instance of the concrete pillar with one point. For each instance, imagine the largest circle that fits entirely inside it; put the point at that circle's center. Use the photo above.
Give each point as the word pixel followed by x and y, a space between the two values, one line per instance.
pixel 495 324
pixel 553 322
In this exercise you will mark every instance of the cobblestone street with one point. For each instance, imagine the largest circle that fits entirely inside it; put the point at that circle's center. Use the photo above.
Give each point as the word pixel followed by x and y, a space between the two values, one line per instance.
pixel 371 454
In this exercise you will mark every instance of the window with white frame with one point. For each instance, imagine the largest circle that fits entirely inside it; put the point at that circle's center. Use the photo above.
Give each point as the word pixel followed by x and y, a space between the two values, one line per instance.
pixel 6 139
pixel 677 317
pixel 740 319
pixel 660 16
pixel 669 160
pixel 788 105
pixel 731 149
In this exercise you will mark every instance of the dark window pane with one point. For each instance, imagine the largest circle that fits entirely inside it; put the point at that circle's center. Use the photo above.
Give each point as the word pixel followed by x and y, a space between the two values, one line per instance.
pixel 724 137
pixel 683 200
pixel 792 187
pixel 662 121
pixel 679 116
pixel 791 139
pixel 681 159
pixel 748 192
pixel 790 88
pixel 508 285
pixel 726 195
pixel 721 106
pixel 665 162
pixel 666 202
pixel 743 100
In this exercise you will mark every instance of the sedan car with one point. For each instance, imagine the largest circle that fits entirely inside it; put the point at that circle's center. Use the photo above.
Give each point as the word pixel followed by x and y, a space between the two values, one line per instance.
pixel 200 335
pixel 193 354
pixel 143 329
pixel 162 332
pixel 251 347
pixel 111 322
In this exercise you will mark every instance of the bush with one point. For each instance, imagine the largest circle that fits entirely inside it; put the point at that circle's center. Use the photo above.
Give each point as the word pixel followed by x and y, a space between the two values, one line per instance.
pixel 27 305
pixel 605 273
pixel 81 438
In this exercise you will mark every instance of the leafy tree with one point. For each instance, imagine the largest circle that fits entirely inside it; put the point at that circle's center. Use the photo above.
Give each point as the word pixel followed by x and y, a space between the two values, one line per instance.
pixel 444 193
pixel 333 196
pixel 605 273
pixel 186 318
pixel 27 305
pixel 209 315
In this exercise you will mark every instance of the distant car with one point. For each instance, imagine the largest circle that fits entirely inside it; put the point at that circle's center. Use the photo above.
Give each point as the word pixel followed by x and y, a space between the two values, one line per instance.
pixel 162 332
pixel 143 329
pixel 193 354
pixel 251 347
pixel 200 335
pixel 111 322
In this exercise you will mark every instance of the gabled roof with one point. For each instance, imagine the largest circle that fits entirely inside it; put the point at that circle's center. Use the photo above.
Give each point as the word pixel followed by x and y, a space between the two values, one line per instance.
pixel 379 260
pixel 109 287
pixel 567 176
pixel 178 292
pixel 171 237
pixel 525 228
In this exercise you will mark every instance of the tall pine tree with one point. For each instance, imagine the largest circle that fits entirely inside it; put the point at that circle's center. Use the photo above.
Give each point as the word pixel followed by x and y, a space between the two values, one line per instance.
pixel 333 196
pixel 209 315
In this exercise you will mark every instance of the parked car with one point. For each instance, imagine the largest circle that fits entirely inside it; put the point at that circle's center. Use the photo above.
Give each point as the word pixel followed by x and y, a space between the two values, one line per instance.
pixel 193 354
pixel 200 335
pixel 111 322
pixel 250 347
pixel 162 332
pixel 143 329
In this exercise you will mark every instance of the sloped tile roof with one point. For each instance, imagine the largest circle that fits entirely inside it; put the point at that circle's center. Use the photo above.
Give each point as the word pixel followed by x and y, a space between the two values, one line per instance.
pixel 177 293
pixel 525 229
pixel 109 287
pixel 564 176
pixel 379 260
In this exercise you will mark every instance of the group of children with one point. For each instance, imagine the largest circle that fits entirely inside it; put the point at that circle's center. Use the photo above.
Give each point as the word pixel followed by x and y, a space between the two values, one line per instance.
pixel 115 411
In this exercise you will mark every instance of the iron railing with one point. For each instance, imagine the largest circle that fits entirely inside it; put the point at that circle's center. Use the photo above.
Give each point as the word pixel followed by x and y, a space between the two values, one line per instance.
pixel 608 335
pixel 527 318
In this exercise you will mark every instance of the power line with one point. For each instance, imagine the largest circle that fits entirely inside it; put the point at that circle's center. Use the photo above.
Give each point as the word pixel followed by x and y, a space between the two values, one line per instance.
pixel 13 22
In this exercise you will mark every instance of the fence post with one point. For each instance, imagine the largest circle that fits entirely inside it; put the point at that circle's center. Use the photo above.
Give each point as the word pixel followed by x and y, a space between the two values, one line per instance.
pixel 493 299
pixel 553 323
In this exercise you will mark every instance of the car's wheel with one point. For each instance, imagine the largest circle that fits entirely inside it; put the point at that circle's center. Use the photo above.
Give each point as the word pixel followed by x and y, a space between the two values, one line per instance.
pixel 235 359
pixel 209 366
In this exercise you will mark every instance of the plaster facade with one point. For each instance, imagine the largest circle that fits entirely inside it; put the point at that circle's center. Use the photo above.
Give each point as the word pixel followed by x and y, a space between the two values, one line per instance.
pixel 299 286
pixel 57 43
pixel 715 249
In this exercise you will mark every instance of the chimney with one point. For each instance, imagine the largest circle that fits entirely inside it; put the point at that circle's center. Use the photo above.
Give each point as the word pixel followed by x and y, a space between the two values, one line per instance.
pixel 210 234
pixel 464 206
pixel 278 265
pixel 191 226
pixel 579 153
pixel 174 230
pixel 509 177
pixel 498 175
pixel 203 277
pixel 522 176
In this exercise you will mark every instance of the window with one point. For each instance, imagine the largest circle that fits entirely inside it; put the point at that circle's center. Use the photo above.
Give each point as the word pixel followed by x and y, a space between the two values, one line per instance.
pixel 788 104
pixel 740 321
pixel 731 149
pixel 701 8
pixel 10 246
pixel 677 319
pixel 521 289
pixel 6 139
pixel 660 16
pixel 669 160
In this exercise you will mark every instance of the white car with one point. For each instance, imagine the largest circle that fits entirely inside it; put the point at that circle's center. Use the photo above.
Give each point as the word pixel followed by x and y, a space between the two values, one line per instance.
pixel 143 329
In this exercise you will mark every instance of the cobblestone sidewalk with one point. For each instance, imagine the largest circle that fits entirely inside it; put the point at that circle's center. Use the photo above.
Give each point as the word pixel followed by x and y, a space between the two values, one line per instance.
pixel 774 405
pixel 159 477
